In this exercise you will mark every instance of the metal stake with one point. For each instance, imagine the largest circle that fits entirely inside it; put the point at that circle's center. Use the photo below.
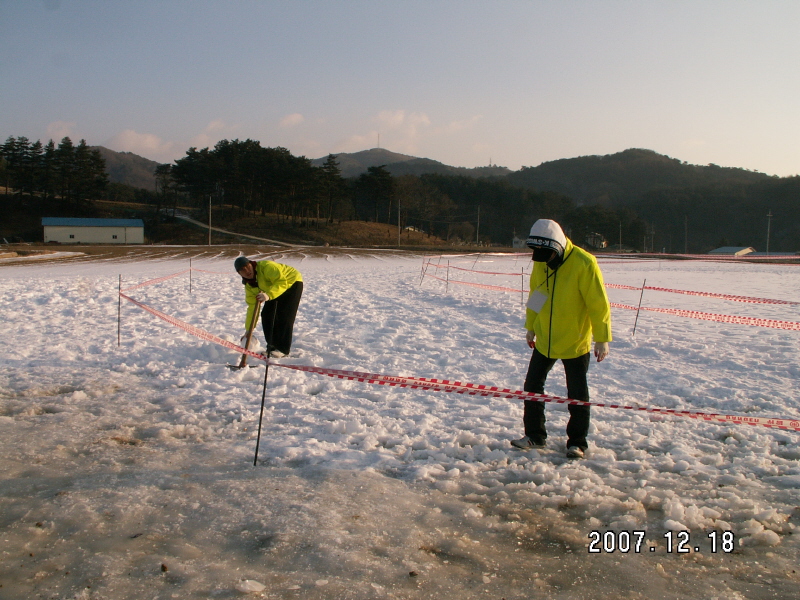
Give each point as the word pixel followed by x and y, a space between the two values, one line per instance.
pixel 638 308
pixel 119 311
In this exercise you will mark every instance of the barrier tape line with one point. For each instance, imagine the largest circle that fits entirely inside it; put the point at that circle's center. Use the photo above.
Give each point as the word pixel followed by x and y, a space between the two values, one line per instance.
pixel 749 299
pixel 693 314
pixel 471 389
pixel 480 285
pixel 744 258
pixel 195 331
pixel 629 257
pixel 618 286
pixel 212 272
pixel 154 281
pixel 439 266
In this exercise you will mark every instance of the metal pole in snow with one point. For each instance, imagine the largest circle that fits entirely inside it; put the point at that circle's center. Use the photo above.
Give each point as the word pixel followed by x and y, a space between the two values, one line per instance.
pixel 425 271
pixel 637 308
pixel 264 390
pixel 261 415
pixel 447 281
pixel 119 310
pixel 190 277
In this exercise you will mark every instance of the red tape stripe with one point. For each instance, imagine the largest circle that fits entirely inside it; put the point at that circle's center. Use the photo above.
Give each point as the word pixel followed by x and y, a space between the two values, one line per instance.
pixel 693 314
pixel 704 294
pixel 154 281
pixel 444 385
pixel 479 285
pixel 195 331
pixel 440 266
pixel 212 272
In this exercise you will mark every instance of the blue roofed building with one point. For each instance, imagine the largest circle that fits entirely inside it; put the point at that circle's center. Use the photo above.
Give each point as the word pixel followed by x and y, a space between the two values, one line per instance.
pixel 733 250
pixel 93 231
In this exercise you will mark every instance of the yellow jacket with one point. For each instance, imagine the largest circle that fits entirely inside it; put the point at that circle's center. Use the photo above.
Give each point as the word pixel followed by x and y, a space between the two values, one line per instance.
pixel 273 279
pixel 576 307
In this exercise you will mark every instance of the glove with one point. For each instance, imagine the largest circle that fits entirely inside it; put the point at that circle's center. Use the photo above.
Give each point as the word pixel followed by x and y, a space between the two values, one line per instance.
pixel 600 350
pixel 262 297
pixel 530 337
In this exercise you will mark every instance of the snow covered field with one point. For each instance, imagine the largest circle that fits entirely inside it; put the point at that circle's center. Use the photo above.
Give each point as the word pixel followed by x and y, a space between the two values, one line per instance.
pixel 126 473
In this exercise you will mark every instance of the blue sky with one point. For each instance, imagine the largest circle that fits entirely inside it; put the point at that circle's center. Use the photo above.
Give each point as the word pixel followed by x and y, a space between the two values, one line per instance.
pixel 464 82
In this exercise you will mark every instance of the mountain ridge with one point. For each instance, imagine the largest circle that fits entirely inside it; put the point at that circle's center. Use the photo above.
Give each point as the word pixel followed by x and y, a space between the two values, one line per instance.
pixel 611 180
pixel 355 163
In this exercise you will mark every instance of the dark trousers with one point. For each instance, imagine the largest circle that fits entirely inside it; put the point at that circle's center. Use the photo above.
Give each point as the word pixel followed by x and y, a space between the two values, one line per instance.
pixel 577 389
pixel 277 318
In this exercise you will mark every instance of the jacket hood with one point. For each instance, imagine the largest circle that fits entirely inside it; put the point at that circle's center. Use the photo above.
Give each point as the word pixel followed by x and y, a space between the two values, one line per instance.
pixel 547 237
pixel 547 234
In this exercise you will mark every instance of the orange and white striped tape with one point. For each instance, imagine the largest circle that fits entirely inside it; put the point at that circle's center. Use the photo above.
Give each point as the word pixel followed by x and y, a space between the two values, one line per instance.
pixel 444 385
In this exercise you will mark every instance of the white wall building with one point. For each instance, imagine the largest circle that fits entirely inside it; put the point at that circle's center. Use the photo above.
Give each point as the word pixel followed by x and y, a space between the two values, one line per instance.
pixel 93 231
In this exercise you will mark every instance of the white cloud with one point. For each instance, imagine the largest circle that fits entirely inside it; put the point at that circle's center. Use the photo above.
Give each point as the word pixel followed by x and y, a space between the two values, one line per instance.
pixel 58 130
pixel 144 144
pixel 356 143
pixel 292 120
pixel 399 131
pixel 156 148
pixel 403 131
pixel 215 131
pixel 407 123
pixel 217 125
pixel 456 126
pixel 694 143
pixel 391 119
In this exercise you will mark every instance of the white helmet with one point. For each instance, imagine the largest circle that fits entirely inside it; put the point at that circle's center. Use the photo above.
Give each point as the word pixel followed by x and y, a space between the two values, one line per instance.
pixel 547 234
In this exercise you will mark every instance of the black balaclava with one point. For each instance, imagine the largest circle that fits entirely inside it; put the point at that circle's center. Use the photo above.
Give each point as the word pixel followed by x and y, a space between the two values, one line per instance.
pixel 547 240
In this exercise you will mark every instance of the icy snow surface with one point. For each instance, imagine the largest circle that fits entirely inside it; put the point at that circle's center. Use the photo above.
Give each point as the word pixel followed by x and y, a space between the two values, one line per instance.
pixel 127 471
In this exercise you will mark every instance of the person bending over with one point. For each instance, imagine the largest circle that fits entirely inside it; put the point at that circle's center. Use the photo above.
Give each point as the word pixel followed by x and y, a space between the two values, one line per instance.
pixel 279 287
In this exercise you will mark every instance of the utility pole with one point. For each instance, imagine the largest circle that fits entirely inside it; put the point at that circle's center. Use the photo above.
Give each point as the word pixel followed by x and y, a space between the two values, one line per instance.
pixel 398 220
pixel 478 228
pixel 686 234
pixel 769 221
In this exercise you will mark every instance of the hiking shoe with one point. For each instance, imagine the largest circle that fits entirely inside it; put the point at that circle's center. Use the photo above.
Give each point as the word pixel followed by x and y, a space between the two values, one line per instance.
pixel 575 452
pixel 277 354
pixel 526 443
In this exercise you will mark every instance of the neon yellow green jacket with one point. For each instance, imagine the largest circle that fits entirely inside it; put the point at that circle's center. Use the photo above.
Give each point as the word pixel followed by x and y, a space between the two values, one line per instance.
pixel 576 308
pixel 273 279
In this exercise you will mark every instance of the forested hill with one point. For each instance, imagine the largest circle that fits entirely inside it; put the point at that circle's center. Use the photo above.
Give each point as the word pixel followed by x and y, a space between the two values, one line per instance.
pixel 137 171
pixel 636 198
pixel 624 178
pixel 353 165
pixel 129 168
pixel 619 179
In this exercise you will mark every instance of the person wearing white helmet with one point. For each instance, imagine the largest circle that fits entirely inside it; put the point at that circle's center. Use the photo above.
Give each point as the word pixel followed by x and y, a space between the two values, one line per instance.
pixel 567 307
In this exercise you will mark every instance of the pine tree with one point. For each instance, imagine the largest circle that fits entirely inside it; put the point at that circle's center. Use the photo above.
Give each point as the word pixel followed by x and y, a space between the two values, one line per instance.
pixel 48 172
pixel 332 183
pixel 65 168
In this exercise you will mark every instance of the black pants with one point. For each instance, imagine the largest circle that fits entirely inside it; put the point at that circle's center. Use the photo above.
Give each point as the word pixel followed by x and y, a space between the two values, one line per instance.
pixel 277 318
pixel 577 389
